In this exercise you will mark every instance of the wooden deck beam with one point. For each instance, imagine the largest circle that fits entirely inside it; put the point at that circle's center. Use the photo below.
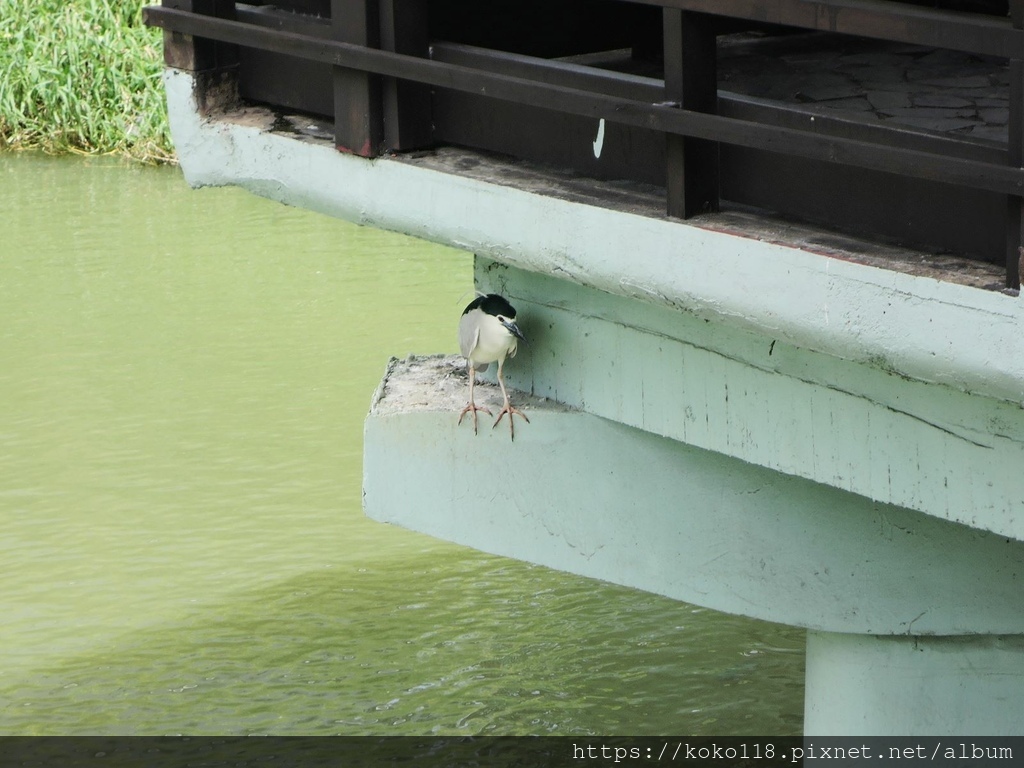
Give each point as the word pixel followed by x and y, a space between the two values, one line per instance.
pixel 1015 159
pixel 184 51
pixel 660 117
pixel 358 109
pixel 691 81
pixel 879 19
pixel 403 29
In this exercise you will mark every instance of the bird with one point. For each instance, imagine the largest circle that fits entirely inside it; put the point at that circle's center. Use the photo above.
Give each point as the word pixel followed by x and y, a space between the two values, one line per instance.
pixel 488 333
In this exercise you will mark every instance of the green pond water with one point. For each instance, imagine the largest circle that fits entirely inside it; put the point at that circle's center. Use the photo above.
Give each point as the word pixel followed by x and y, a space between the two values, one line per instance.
pixel 183 380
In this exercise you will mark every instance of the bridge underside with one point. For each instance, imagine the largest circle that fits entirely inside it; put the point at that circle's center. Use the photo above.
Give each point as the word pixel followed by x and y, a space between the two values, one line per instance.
pixel 899 640
pixel 738 413
pixel 892 121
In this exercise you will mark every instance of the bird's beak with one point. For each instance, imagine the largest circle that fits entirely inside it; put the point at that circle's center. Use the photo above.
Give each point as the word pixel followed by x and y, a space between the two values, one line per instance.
pixel 513 329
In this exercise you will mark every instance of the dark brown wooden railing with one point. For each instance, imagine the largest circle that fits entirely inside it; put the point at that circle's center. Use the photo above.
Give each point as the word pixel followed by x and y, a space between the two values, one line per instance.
pixel 391 85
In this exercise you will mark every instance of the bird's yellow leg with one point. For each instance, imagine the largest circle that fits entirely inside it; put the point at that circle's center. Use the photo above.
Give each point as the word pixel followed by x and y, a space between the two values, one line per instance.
pixel 507 407
pixel 472 407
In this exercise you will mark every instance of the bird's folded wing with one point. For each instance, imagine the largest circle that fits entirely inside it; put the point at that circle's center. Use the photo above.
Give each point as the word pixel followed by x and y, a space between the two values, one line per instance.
pixel 469 333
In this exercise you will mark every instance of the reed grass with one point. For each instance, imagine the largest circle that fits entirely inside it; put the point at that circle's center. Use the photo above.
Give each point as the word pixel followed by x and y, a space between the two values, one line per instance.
pixel 82 76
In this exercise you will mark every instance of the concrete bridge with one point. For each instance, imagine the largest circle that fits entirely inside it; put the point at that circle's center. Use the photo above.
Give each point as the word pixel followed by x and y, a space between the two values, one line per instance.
pixel 766 418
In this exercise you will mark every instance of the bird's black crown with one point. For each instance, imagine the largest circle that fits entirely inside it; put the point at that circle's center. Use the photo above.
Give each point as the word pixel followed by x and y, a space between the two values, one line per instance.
pixel 492 304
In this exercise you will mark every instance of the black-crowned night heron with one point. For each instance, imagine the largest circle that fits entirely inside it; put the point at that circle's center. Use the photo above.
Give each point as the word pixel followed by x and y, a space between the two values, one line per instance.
pixel 487 334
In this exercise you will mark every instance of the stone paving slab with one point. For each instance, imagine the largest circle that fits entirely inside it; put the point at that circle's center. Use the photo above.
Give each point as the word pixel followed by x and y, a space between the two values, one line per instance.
pixel 940 91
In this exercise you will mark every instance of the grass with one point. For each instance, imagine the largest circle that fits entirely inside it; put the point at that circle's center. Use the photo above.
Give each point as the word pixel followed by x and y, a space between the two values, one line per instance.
pixel 82 76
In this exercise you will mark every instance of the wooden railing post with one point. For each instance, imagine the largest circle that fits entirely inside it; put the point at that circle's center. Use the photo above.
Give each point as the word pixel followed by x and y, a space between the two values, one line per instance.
pixel 407 121
pixel 199 55
pixel 691 81
pixel 358 117
pixel 1015 151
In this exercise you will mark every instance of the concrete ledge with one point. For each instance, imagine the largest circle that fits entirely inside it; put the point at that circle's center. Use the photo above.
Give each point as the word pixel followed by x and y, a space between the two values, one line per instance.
pixel 759 399
pixel 913 326
pixel 440 384
pixel 582 494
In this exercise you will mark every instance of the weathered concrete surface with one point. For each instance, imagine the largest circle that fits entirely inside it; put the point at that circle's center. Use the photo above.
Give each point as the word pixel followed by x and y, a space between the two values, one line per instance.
pixel 899 387
pixel 774 415
pixel 643 200
pixel 917 327
pixel 594 497
pixel 441 383
pixel 899 686
pixel 590 496
pixel 755 397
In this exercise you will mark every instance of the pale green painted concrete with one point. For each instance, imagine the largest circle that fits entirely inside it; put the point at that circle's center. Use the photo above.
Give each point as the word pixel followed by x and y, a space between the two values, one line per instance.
pixel 750 396
pixel 938 686
pixel 784 435
pixel 587 495
pixel 915 326
pixel 681 329
pixel 597 498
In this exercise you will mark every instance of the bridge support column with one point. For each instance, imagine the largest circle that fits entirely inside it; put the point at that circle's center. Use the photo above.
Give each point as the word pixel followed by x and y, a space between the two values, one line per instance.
pixel 900 684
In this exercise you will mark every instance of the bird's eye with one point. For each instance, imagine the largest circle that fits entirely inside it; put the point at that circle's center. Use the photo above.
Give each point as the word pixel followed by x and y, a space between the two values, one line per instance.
pixel 501 318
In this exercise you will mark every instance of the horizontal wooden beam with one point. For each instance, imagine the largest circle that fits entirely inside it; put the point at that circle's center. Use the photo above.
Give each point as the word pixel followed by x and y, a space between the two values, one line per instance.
pixel 878 19
pixel 731 104
pixel 662 117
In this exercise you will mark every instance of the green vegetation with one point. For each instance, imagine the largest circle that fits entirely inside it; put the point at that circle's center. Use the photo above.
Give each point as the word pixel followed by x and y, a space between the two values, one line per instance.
pixel 81 76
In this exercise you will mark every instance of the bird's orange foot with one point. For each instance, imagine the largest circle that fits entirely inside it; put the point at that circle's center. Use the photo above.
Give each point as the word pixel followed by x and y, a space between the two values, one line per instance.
pixel 472 408
pixel 511 412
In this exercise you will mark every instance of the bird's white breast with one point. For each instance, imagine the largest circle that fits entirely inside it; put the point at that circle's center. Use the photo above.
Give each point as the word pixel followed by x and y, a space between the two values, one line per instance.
pixel 493 341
